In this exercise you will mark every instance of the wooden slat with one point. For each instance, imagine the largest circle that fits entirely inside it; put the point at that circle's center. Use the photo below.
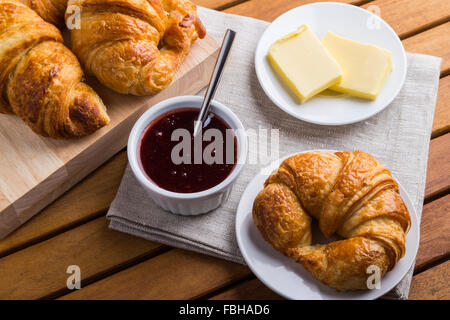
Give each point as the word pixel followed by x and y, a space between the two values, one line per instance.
pixel 434 233
pixel 40 270
pixel 434 42
pixel 176 274
pixel 432 284
pixel 408 17
pixel 438 173
pixel 248 290
pixel 270 9
pixel 85 201
pixel 442 115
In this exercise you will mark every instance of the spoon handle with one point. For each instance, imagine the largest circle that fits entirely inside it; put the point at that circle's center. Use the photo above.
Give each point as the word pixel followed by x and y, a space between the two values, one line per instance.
pixel 215 78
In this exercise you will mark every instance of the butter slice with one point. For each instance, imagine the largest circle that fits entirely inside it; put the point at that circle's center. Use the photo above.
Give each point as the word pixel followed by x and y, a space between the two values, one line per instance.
pixel 365 67
pixel 304 63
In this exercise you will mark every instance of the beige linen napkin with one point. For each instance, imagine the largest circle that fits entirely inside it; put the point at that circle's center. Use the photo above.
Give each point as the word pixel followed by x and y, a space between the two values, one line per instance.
pixel 398 136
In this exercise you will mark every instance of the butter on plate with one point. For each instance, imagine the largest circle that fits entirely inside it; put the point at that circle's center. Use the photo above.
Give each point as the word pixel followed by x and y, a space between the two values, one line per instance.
pixel 304 63
pixel 365 67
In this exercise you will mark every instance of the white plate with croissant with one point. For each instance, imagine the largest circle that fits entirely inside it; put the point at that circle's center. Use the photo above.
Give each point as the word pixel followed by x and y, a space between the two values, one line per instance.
pixel 288 208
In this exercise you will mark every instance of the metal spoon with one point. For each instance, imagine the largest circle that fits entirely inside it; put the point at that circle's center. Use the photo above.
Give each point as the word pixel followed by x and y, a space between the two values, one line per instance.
pixel 215 79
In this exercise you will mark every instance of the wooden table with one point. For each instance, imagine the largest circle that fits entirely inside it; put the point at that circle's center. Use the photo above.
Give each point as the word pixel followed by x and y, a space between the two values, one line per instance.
pixel 74 230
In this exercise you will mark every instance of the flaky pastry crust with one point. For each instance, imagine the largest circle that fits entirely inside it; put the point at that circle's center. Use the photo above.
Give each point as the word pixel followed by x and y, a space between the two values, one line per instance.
pixel 40 79
pixel 51 11
pixel 135 46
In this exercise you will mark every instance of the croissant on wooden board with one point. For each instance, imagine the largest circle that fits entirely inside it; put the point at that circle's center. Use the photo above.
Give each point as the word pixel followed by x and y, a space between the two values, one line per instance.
pixel 134 46
pixel 40 79
pixel 351 194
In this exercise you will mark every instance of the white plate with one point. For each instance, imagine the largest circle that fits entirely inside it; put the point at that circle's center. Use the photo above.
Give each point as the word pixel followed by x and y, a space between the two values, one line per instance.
pixel 288 278
pixel 345 20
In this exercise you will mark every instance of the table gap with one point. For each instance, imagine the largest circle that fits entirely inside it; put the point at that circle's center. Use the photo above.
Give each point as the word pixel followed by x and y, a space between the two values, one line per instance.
pixel 109 272
pixel 429 26
pixel 432 263
pixel 438 134
pixel 225 288
pixel 362 2
pixel 54 233
pixel 231 4
pixel 437 195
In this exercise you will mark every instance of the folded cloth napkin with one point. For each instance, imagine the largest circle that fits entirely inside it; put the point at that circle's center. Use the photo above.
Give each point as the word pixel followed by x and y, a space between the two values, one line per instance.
pixel 398 136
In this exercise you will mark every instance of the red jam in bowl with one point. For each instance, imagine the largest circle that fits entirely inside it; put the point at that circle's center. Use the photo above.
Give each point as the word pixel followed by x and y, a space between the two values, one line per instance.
pixel 189 176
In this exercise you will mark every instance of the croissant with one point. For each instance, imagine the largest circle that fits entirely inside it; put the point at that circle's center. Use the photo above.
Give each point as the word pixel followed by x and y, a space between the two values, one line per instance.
pixel 40 79
pixel 51 11
pixel 351 194
pixel 134 46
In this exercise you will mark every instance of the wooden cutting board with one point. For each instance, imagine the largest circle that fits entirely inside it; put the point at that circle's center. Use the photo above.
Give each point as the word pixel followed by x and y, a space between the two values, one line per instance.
pixel 34 171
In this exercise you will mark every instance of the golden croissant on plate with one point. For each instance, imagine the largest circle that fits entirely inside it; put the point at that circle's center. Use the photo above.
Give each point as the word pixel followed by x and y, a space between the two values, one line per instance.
pixel 351 194
pixel 134 46
pixel 40 79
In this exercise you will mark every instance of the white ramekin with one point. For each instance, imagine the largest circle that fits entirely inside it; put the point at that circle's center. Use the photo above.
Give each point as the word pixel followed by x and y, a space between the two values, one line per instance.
pixel 187 203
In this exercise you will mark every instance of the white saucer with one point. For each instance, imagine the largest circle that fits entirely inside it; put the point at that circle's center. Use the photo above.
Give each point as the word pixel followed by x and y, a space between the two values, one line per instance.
pixel 345 20
pixel 288 278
